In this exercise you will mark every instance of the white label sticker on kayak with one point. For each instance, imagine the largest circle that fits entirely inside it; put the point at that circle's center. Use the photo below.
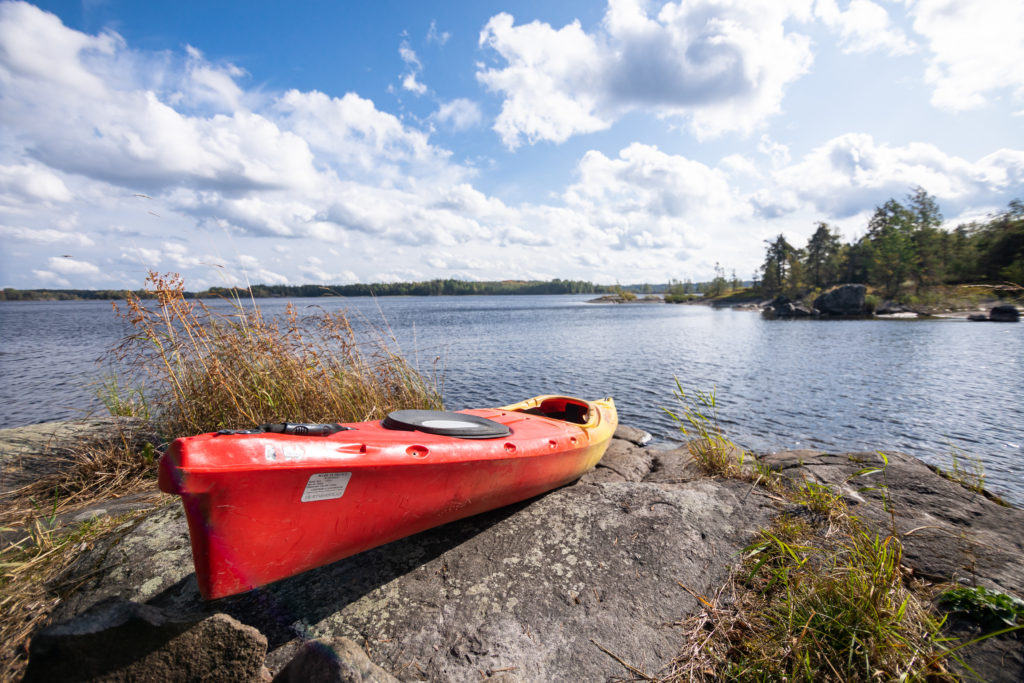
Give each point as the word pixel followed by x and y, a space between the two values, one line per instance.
pixel 325 486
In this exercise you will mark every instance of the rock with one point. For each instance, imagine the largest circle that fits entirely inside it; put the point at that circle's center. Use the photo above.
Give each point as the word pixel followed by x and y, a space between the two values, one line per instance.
pixel 35 451
pixel 949 533
pixel 332 660
pixel 782 307
pixel 633 435
pixel 978 318
pixel 623 461
pixel 844 300
pixel 118 640
pixel 535 591
pixel 1004 313
pixel 889 307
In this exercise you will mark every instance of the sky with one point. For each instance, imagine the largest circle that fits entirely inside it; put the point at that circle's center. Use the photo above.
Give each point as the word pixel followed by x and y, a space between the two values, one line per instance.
pixel 630 142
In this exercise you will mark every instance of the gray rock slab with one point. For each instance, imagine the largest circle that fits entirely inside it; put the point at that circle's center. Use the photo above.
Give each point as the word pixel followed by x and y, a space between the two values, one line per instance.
pixel 623 461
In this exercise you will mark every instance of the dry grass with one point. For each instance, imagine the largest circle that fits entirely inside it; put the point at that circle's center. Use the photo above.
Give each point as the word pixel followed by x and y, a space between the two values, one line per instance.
pixel 38 544
pixel 201 370
pixel 29 586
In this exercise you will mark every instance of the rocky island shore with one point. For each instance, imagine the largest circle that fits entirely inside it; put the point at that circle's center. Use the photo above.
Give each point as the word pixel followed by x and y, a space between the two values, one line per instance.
pixel 597 580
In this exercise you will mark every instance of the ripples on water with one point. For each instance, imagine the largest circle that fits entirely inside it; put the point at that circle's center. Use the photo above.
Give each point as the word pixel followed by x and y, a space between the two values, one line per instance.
pixel 922 387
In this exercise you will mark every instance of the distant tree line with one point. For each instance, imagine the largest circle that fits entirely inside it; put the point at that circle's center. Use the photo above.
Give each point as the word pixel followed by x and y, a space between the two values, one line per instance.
pixel 428 288
pixel 904 246
pixel 11 294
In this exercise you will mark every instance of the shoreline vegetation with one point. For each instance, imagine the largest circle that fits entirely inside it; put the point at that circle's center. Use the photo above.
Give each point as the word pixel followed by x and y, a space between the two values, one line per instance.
pixel 447 287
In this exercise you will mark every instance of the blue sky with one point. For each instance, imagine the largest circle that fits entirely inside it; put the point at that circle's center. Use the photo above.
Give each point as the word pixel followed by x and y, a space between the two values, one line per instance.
pixel 330 142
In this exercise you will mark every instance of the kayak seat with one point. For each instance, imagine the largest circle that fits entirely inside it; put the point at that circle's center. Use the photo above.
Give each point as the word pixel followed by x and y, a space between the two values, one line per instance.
pixel 444 423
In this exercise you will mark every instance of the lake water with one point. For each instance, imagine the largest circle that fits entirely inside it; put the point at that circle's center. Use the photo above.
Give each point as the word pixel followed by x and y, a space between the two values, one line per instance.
pixel 921 387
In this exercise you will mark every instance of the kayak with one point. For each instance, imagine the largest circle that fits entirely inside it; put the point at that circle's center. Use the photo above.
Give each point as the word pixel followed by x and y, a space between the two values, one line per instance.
pixel 268 503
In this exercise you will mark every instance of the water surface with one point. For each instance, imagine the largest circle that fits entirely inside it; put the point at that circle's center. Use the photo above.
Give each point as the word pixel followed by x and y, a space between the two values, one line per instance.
pixel 921 387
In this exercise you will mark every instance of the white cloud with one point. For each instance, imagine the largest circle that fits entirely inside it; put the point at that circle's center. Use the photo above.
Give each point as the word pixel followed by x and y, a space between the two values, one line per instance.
pixel 863 27
pixel 23 28
pixel 283 177
pixel 31 182
pixel 977 49
pixel 359 141
pixel 435 36
pixel 48 277
pixel 212 85
pixel 851 173
pixel 552 82
pixel 72 266
pixel 409 81
pixel 648 199
pixel 46 236
pixel 459 114
pixel 723 65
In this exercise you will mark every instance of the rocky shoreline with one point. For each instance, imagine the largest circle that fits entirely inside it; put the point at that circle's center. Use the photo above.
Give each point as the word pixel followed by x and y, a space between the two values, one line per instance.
pixel 843 301
pixel 593 579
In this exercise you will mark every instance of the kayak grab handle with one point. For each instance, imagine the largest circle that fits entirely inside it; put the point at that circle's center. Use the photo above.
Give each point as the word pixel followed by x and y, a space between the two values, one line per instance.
pixel 296 428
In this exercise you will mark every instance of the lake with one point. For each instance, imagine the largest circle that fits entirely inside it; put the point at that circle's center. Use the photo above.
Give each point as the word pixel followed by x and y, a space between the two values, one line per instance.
pixel 924 387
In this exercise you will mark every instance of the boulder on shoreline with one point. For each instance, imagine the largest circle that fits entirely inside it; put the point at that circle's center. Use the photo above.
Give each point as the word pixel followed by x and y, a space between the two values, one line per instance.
pixel 843 301
pixel 586 579
pixel 1004 313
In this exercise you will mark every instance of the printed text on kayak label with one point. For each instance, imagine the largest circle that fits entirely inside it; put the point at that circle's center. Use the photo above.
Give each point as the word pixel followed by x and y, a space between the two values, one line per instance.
pixel 326 486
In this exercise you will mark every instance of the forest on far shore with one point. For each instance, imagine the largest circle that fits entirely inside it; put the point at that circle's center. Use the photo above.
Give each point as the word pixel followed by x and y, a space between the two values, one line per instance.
pixel 904 251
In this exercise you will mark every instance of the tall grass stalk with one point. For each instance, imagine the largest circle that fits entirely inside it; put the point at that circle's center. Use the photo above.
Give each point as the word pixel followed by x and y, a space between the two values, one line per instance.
pixel 697 418
pixel 207 370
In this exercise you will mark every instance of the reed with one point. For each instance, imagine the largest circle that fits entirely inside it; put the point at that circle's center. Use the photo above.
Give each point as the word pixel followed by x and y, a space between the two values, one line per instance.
pixel 198 370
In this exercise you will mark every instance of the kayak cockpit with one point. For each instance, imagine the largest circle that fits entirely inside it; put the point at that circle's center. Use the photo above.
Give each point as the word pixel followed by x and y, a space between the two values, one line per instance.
pixel 560 408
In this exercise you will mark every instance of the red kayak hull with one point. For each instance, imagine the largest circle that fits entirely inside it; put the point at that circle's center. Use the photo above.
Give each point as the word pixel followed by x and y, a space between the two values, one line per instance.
pixel 262 507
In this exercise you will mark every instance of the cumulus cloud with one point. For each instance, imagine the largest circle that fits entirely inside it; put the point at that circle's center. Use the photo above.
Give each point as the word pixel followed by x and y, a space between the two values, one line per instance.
pixel 722 65
pixel 284 177
pixel 863 26
pixel 648 199
pixel 852 173
pixel 184 133
pixel 966 71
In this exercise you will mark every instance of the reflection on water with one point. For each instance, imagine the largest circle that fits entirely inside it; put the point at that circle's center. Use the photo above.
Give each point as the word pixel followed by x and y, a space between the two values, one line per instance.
pixel 922 387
